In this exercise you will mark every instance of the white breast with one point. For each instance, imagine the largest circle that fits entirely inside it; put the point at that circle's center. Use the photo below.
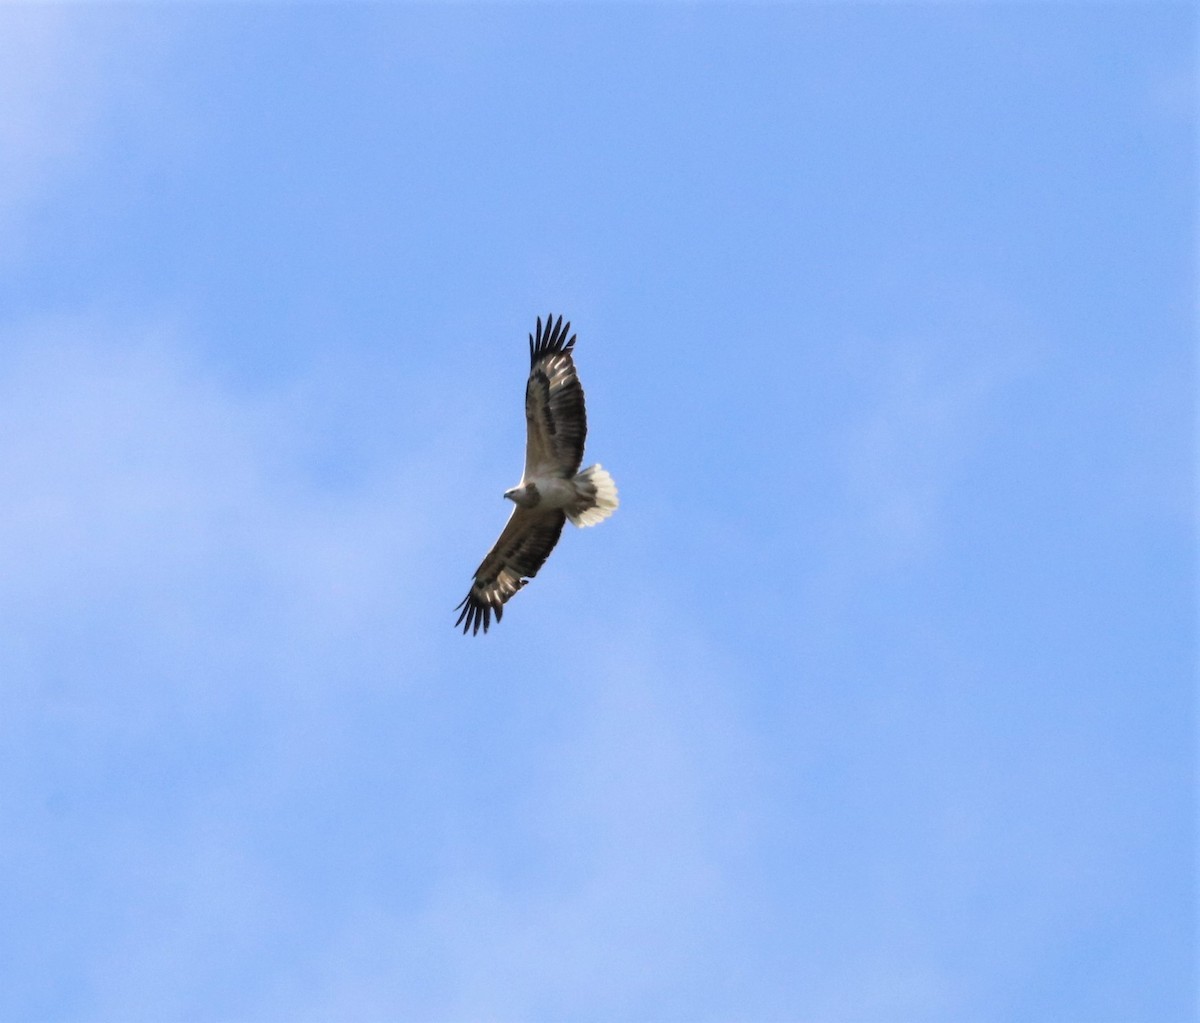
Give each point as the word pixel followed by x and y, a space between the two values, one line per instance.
pixel 555 492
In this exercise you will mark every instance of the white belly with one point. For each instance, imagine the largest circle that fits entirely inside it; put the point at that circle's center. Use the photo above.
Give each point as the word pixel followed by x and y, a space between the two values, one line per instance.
pixel 555 493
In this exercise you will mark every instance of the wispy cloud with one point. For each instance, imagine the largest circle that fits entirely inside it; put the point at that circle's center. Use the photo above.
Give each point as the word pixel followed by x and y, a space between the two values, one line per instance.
pixel 140 492
pixel 53 91
pixel 630 827
pixel 931 409
pixel 181 594
pixel 208 632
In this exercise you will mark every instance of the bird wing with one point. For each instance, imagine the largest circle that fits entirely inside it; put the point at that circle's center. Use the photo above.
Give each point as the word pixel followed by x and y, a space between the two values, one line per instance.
pixel 555 417
pixel 521 550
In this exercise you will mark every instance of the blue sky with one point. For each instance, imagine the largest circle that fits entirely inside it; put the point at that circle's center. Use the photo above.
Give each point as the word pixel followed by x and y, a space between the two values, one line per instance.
pixel 874 703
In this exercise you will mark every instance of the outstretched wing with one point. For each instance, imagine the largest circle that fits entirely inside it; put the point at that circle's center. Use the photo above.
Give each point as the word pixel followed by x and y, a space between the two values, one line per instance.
pixel 555 417
pixel 522 549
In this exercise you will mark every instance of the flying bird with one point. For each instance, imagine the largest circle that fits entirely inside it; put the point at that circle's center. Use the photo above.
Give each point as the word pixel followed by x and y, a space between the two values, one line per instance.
pixel 552 488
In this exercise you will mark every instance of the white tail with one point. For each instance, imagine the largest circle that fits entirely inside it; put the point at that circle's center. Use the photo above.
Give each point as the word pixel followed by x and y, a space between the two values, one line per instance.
pixel 598 497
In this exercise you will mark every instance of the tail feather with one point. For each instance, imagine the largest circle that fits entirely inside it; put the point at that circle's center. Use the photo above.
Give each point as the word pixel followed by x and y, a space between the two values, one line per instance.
pixel 598 497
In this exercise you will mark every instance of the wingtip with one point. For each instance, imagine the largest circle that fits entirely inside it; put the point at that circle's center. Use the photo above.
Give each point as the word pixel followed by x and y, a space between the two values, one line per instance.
pixel 551 336
pixel 475 614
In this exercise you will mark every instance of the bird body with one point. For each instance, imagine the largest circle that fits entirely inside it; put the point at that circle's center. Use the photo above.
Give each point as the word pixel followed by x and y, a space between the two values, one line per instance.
pixel 543 492
pixel 552 489
pixel 587 498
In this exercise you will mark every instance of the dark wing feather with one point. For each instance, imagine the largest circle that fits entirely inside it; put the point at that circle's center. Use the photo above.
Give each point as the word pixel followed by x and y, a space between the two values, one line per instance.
pixel 555 417
pixel 522 549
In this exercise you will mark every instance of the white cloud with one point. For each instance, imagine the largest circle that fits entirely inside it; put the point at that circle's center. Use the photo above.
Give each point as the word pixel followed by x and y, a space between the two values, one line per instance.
pixel 47 98
pixel 63 72
pixel 161 539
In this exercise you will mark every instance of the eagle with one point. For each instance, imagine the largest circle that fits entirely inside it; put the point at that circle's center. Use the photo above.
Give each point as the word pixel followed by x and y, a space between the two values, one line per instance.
pixel 552 488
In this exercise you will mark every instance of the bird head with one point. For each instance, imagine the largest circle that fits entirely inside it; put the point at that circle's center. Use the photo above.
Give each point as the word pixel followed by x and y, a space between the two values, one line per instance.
pixel 525 496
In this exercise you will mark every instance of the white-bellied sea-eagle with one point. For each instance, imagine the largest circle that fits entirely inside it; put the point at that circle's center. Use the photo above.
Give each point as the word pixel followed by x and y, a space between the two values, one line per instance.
pixel 552 489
